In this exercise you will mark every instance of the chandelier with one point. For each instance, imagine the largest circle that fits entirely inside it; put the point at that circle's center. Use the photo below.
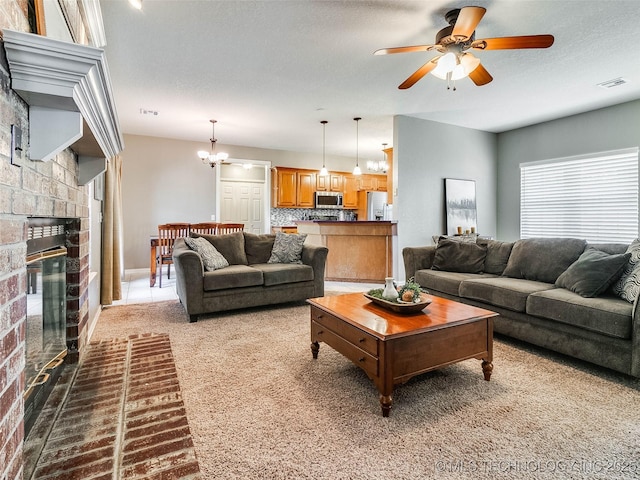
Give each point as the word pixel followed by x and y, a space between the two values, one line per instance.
pixel 212 158
pixel 380 166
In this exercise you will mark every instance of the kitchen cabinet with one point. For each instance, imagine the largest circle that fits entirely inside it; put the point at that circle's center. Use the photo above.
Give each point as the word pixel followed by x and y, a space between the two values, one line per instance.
pixel 366 182
pixel 350 194
pixel 294 188
pixel 285 187
pixel 306 188
pixel 330 183
pixel 372 183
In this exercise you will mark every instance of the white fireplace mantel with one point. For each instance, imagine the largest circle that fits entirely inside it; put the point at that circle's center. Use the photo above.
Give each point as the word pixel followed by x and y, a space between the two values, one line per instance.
pixel 68 89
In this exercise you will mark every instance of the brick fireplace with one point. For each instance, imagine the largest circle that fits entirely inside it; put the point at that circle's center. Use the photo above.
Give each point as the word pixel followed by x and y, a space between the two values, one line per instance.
pixel 44 190
pixel 44 175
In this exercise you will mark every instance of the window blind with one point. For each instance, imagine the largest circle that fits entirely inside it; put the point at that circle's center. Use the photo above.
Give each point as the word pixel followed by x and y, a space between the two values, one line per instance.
pixel 594 197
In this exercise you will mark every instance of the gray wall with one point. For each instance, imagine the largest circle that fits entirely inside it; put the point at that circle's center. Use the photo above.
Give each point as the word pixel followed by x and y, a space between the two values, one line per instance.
pixel 600 130
pixel 163 180
pixel 425 153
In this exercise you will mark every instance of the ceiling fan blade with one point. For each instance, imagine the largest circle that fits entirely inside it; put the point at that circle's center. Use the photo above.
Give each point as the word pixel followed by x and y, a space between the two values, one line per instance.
pixel 506 43
pixel 467 21
pixel 418 74
pixel 415 48
pixel 480 76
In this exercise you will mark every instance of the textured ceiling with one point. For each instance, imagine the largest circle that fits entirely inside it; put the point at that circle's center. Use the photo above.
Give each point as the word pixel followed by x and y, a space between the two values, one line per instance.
pixel 270 71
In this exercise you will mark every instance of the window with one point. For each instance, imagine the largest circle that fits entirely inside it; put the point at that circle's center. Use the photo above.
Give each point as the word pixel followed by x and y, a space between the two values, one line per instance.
pixel 594 197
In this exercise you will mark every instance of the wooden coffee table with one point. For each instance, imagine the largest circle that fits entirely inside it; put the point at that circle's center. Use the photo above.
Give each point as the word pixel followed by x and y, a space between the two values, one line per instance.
pixel 393 347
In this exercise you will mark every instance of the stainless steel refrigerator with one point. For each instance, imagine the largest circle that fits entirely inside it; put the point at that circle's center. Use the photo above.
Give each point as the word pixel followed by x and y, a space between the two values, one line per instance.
pixel 372 205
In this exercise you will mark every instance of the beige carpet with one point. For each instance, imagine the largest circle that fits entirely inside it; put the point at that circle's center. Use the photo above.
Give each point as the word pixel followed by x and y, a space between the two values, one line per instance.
pixel 260 407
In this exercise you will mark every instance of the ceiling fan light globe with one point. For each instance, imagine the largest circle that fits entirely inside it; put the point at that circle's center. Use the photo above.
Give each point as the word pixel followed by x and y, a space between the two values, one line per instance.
pixel 444 65
pixel 448 62
pixel 469 62
pixel 458 72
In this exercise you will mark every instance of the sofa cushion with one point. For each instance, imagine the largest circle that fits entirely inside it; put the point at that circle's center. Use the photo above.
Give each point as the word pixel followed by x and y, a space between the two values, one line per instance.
pixel 593 272
pixel 497 255
pixel 608 315
pixel 543 259
pixel 287 248
pixel 628 285
pixel 502 292
pixel 279 273
pixel 445 282
pixel 258 247
pixel 211 258
pixel 231 246
pixel 464 257
pixel 233 276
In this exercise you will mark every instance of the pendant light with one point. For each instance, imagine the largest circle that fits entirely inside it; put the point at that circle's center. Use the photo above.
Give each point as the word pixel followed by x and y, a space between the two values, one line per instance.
pixel 357 170
pixel 212 158
pixel 323 171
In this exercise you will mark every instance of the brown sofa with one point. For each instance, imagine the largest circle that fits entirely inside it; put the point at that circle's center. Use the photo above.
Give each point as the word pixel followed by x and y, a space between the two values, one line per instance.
pixel 249 280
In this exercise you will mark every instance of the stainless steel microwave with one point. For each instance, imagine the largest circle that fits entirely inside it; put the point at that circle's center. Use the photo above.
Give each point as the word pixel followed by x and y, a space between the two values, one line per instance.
pixel 329 200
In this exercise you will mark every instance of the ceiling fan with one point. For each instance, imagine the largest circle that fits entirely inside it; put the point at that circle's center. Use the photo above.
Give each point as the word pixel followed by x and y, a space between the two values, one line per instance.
pixel 454 44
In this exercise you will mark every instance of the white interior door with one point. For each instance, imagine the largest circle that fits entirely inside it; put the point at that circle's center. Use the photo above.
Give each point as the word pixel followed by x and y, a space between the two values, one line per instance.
pixel 243 202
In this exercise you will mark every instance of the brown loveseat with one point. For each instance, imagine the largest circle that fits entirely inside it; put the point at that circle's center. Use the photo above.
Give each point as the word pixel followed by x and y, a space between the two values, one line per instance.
pixel 249 280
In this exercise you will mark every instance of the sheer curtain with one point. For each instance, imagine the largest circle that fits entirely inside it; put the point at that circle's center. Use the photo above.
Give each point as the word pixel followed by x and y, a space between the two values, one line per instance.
pixel 111 287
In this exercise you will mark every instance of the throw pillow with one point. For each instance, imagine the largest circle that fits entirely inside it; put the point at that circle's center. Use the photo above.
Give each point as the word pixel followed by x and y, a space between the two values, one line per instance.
pixel 287 248
pixel 258 247
pixel 231 246
pixel 497 255
pixel 593 272
pixel 464 257
pixel 212 258
pixel 455 238
pixel 629 283
pixel 543 259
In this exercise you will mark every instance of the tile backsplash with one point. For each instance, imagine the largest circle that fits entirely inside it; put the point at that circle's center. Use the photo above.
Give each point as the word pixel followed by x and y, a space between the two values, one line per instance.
pixel 285 216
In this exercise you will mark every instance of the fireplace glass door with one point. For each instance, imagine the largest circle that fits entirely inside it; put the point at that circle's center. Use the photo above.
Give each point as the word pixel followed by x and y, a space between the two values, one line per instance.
pixel 45 328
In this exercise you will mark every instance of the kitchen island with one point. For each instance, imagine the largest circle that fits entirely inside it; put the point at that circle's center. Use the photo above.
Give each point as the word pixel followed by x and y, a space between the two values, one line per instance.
pixel 359 251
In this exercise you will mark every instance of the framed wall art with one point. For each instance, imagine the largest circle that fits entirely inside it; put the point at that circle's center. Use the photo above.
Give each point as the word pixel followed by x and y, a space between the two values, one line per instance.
pixel 460 203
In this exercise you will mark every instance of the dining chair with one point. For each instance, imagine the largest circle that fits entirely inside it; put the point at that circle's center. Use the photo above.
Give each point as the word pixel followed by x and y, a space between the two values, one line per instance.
pixel 230 228
pixel 167 234
pixel 206 228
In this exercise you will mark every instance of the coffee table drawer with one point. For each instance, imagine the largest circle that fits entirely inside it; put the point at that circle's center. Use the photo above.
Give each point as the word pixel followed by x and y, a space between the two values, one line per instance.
pixel 367 362
pixel 361 339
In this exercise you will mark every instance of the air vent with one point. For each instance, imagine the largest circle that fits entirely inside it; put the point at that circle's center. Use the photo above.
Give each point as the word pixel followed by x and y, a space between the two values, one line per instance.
pixel 616 82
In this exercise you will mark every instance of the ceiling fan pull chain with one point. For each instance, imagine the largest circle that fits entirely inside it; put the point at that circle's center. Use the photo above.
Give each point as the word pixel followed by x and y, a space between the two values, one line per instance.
pixel 450 81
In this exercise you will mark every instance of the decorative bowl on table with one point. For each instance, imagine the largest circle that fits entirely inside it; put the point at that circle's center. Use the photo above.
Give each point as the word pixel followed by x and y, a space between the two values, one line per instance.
pixel 410 298
pixel 400 306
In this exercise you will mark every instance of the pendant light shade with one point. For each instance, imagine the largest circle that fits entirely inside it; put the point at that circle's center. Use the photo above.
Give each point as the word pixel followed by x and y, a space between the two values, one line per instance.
pixel 357 170
pixel 323 170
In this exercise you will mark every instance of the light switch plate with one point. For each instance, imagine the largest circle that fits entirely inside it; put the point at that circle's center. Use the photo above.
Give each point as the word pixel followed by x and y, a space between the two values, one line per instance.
pixel 16 146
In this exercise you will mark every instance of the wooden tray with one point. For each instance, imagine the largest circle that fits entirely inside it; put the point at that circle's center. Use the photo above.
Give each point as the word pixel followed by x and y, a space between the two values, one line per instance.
pixel 401 307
